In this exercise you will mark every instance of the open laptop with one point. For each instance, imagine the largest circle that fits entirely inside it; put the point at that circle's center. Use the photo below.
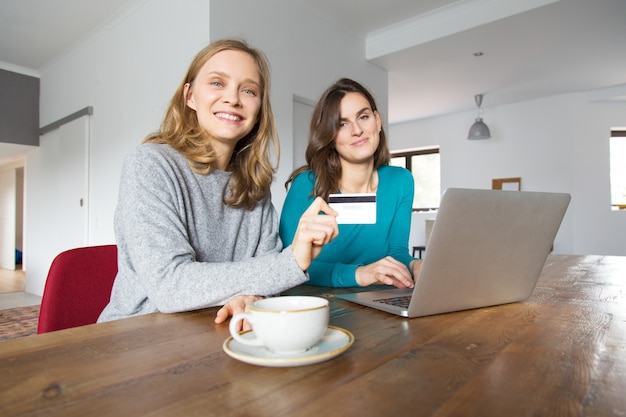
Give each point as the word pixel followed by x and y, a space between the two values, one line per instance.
pixel 487 247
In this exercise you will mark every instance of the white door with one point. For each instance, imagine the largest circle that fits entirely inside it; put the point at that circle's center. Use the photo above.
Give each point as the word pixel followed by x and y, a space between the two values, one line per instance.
pixel 71 178
pixel 56 199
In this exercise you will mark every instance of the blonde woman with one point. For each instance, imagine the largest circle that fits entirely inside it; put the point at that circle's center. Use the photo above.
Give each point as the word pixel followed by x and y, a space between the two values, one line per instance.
pixel 194 225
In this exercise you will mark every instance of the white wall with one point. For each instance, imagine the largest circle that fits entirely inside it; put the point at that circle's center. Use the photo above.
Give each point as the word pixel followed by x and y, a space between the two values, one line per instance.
pixel 559 143
pixel 129 69
pixel 127 72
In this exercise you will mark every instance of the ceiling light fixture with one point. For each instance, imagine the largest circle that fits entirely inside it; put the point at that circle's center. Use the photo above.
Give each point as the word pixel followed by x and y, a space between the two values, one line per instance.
pixel 479 129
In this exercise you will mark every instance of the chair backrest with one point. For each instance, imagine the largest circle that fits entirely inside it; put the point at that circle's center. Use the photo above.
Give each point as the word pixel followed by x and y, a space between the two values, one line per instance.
pixel 78 287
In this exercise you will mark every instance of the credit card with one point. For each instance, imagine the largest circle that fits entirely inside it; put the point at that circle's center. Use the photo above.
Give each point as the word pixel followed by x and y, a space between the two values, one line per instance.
pixel 354 208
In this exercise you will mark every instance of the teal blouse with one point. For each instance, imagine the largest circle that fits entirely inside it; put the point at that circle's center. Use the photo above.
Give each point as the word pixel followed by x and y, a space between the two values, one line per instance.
pixel 356 244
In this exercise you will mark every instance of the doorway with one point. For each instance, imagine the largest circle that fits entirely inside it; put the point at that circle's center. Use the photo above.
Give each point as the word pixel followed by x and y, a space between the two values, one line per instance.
pixel 11 228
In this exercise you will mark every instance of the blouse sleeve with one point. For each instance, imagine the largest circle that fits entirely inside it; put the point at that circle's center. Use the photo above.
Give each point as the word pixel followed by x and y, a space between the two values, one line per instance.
pixel 401 222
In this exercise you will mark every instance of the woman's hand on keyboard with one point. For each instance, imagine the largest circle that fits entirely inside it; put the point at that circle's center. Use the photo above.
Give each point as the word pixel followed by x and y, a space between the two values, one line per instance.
pixel 385 271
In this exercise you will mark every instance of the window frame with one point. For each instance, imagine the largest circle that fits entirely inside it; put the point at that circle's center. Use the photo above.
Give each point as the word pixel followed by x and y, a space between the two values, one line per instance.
pixel 616 132
pixel 408 164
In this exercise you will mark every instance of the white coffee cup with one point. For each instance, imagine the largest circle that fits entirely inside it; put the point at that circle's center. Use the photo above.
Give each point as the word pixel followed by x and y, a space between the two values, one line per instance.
pixel 284 325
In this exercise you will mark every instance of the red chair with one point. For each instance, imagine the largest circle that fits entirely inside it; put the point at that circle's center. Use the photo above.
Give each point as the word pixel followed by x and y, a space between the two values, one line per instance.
pixel 78 287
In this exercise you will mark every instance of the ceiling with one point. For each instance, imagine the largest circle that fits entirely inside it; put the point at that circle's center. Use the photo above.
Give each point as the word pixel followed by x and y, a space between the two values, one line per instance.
pixel 530 48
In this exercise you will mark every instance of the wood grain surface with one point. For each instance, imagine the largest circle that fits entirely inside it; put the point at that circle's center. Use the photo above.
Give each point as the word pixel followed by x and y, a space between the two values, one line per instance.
pixel 560 353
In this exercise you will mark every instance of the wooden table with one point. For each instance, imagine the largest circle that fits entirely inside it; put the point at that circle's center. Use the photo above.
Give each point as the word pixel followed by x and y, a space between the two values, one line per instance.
pixel 561 353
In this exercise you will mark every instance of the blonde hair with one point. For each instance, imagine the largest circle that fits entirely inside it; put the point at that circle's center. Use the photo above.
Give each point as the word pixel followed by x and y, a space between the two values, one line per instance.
pixel 251 165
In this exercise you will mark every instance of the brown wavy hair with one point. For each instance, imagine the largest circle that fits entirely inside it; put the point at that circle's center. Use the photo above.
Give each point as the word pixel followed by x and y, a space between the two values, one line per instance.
pixel 251 165
pixel 321 156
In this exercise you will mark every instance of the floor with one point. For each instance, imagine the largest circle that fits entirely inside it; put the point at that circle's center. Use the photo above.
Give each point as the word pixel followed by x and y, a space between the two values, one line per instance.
pixel 12 281
pixel 12 290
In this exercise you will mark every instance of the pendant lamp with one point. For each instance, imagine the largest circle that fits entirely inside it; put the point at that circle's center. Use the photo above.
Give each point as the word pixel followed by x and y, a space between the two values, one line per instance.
pixel 479 129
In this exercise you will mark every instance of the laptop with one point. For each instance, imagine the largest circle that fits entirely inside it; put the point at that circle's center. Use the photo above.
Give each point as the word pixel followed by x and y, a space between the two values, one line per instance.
pixel 487 247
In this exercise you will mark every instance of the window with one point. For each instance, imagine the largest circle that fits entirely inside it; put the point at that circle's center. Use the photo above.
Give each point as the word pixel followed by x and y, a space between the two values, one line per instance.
pixel 617 149
pixel 424 165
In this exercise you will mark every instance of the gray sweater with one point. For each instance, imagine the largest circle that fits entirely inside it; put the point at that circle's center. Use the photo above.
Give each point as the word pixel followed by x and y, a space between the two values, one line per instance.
pixel 181 248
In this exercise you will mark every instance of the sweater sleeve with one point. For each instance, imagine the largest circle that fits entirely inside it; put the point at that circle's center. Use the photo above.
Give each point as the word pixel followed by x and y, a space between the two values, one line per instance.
pixel 172 258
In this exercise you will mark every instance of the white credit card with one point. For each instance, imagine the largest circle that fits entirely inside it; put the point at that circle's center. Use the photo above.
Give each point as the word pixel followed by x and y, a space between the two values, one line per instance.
pixel 354 208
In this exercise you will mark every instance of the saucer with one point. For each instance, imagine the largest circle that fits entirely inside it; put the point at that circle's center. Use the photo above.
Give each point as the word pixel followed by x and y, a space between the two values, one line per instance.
pixel 334 342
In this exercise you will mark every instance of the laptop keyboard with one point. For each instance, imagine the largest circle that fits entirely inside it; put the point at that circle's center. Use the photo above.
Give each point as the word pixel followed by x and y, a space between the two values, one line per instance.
pixel 402 301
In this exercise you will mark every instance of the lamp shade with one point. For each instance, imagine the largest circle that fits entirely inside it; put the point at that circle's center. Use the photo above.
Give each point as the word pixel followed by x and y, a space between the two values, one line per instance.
pixel 479 130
